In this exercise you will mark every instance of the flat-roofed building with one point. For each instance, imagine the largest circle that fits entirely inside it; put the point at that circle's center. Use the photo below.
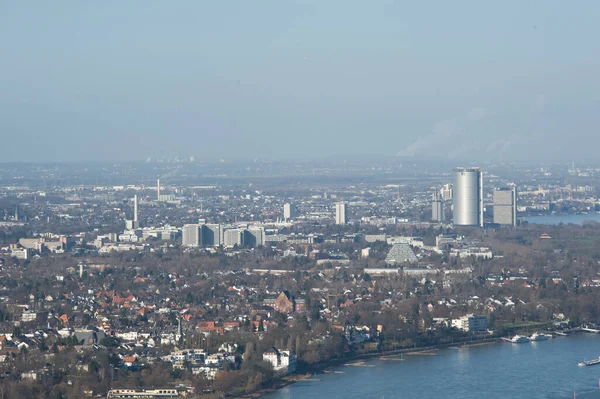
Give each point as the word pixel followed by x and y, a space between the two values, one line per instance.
pixel 192 235
pixel 505 206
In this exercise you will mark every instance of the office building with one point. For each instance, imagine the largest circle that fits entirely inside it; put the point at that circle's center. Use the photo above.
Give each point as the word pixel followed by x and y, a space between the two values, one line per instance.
pixel 472 323
pixel 289 211
pixel 212 235
pixel 254 237
pixel 437 208
pixel 446 192
pixel 192 235
pixel 133 224
pixel 468 197
pixel 234 237
pixel 341 213
pixel 505 206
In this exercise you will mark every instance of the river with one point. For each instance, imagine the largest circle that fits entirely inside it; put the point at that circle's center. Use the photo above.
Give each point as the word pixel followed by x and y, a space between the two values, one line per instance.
pixel 546 369
pixel 566 219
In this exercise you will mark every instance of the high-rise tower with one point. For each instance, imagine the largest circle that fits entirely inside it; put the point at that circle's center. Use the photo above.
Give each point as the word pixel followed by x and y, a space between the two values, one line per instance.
pixel 468 197
pixel 437 208
pixel 132 224
pixel 289 211
pixel 341 213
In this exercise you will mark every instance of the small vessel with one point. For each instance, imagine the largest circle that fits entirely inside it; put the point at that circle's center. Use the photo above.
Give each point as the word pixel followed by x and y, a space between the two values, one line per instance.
pixel 538 337
pixel 589 362
pixel 519 339
pixel 590 329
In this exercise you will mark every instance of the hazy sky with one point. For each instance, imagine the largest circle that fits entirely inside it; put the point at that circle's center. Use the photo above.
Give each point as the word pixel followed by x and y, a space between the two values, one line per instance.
pixel 125 79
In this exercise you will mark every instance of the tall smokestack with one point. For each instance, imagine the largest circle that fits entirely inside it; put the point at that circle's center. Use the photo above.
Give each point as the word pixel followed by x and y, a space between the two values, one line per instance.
pixel 158 189
pixel 135 211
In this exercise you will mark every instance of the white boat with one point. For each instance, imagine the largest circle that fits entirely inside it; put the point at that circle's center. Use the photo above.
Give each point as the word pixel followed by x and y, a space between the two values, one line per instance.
pixel 538 337
pixel 590 329
pixel 519 339
pixel 589 363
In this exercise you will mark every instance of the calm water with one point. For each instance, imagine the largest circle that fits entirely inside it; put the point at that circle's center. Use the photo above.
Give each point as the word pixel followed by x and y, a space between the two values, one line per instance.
pixel 546 369
pixel 566 219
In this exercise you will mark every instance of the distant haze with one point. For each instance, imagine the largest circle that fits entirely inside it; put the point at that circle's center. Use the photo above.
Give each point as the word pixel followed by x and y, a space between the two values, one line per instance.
pixel 463 80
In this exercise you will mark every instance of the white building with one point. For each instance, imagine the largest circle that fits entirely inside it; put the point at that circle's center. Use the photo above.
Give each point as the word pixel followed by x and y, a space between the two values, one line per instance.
pixel 191 235
pixel 209 371
pixel 212 235
pixel 28 315
pixel 446 192
pixel 471 323
pixel 468 197
pixel 437 208
pixel 283 362
pixel 341 210
pixel 289 211
pixel 20 253
pixel 234 237
pixel 505 206
pixel 482 252
pixel 365 252
pixel 127 335
pixel 254 236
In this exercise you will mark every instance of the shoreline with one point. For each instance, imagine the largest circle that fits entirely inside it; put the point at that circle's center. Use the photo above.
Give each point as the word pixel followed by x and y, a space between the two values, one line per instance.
pixel 307 373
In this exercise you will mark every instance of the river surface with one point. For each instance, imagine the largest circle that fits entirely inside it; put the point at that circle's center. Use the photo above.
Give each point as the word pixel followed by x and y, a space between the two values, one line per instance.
pixel 546 369
pixel 566 219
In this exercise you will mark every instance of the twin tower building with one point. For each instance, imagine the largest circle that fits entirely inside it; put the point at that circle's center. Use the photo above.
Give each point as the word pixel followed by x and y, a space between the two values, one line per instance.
pixel 467 199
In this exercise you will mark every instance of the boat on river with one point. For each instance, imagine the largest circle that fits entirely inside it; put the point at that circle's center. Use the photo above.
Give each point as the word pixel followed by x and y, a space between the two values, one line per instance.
pixel 591 329
pixel 589 362
pixel 539 337
pixel 519 339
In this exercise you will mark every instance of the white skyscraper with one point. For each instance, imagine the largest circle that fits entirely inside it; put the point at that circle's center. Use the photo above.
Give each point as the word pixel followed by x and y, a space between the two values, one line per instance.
pixel 136 222
pixel 437 208
pixel 192 235
pixel 468 197
pixel 132 224
pixel 341 213
pixel 289 211
pixel 447 192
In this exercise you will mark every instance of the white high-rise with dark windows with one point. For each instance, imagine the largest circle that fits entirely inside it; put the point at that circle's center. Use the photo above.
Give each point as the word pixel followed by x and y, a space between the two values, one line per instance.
pixel 437 208
pixel 341 216
pixel 468 197
pixel 289 211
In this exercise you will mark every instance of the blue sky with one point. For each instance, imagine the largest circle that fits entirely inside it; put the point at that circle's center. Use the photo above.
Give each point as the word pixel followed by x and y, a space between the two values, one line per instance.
pixel 117 80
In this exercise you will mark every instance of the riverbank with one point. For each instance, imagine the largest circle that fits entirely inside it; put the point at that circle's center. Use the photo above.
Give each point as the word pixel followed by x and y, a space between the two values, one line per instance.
pixel 308 372
pixel 470 366
pixel 358 360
